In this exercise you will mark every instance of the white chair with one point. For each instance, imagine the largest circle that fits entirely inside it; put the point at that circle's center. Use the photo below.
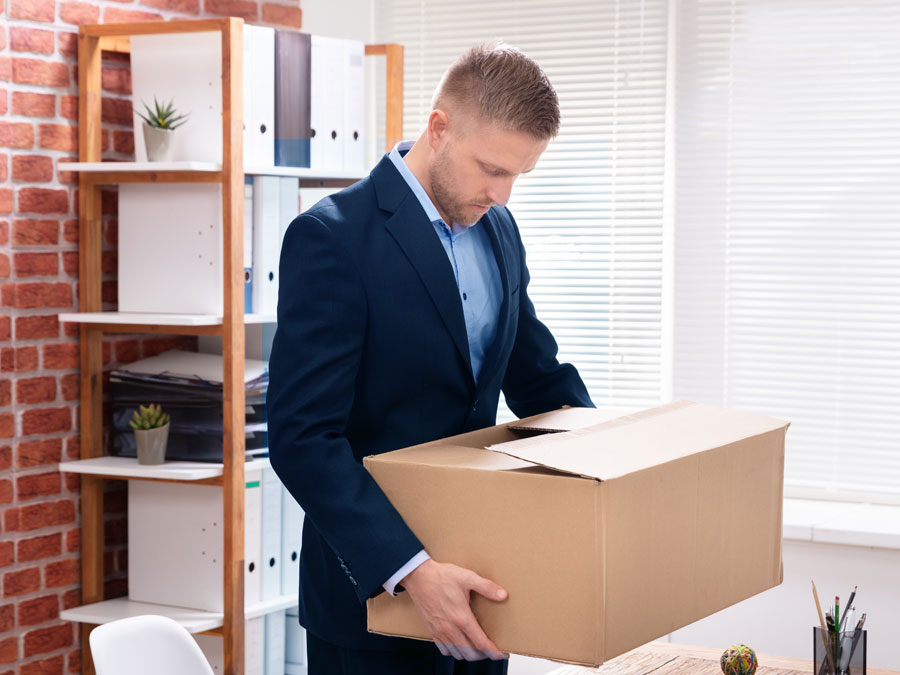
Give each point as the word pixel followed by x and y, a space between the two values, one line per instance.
pixel 146 645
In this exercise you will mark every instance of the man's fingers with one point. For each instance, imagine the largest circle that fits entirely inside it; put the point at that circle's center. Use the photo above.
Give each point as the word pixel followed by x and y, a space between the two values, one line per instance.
pixel 442 648
pixel 487 588
pixel 476 636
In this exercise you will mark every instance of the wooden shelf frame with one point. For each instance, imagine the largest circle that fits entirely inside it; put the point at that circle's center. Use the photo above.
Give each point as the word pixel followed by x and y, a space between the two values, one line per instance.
pixel 92 41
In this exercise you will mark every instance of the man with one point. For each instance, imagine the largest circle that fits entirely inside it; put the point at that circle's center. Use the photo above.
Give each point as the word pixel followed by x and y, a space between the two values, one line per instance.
pixel 402 313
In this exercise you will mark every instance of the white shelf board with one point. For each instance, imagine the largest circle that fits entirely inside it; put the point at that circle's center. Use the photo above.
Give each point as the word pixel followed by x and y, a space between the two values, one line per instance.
pixel 128 467
pixel 125 167
pixel 194 620
pixel 144 318
pixel 301 172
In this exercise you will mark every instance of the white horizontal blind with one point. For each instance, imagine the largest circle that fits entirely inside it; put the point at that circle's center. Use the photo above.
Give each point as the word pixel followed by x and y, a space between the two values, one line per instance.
pixel 591 213
pixel 787 240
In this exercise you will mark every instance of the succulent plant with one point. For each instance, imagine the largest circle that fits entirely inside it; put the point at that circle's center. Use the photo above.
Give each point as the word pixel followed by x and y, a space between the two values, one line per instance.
pixel 164 116
pixel 150 417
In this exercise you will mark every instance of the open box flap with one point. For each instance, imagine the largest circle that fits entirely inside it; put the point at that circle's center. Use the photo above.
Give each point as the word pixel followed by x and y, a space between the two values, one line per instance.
pixel 570 419
pixel 634 442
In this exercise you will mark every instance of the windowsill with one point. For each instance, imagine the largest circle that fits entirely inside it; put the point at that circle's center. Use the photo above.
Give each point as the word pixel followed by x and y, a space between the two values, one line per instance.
pixel 846 523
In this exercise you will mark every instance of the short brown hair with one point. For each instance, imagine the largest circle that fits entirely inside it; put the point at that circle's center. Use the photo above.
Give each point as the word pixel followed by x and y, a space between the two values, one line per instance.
pixel 505 86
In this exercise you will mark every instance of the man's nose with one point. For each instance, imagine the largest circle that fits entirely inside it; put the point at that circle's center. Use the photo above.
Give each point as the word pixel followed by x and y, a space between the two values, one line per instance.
pixel 500 190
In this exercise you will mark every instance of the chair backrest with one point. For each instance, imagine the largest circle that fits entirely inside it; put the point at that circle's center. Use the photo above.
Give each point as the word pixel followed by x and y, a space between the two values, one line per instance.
pixel 146 645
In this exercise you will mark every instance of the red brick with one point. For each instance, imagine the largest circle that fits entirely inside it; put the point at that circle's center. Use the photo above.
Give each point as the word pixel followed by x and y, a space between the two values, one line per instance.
pixel 8 359
pixel 39 485
pixel 2 34
pixel 5 68
pixel 69 386
pixel 32 168
pixel 58 137
pixel 5 457
pixel 7 555
pixel 31 40
pixel 43 200
pixel 37 327
pixel 36 390
pixel 154 346
pixel 34 10
pixel 36 71
pixel 42 294
pixel 109 203
pixel 7 425
pixel 17 134
pixel 20 582
pixel 32 232
pixel 116 80
pixel 70 231
pixel 115 588
pixel 38 453
pixel 283 15
pixel 109 262
pixel 9 650
pixel 127 351
pixel 180 6
pixel 122 560
pixel 46 420
pixel 36 264
pixel 72 482
pixel 47 546
pixel 5 392
pixel 4 266
pixel 6 495
pixel 36 516
pixel 7 618
pixel 246 9
pixel 46 640
pixel 25 359
pixel 4 167
pixel 52 666
pixel 38 610
pixel 79 12
pixel 116 111
pixel 68 107
pixel 70 599
pixel 6 200
pixel 5 327
pixel 4 101
pixel 109 291
pixel 61 356
pixel 70 263
pixel 116 15
pixel 67 43
pixel 73 540
pixel 73 447
pixel 123 141
pixel 62 573
pixel 115 532
pixel 67 177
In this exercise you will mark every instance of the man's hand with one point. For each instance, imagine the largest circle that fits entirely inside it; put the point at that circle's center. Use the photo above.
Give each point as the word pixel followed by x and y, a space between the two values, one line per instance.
pixel 440 592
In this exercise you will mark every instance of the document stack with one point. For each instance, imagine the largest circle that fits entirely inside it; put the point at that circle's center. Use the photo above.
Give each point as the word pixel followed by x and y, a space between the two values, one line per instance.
pixel 188 386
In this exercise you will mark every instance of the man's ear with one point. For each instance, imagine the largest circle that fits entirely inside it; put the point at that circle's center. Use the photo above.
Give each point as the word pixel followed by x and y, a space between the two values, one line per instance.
pixel 438 128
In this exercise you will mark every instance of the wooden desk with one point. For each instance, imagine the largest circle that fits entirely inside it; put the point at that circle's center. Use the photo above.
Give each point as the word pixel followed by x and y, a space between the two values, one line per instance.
pixel 662 658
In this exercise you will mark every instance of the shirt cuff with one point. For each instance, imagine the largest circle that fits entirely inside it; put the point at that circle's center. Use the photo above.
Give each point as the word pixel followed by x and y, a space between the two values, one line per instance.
pixel 400 574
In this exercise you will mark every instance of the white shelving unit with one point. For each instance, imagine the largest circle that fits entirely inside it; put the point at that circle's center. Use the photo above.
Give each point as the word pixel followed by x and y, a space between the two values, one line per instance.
pixel 128 467
pixel 148 318
pixel 134 167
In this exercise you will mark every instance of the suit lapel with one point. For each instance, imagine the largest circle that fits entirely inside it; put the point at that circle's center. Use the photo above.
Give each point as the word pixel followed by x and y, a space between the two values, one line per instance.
pixel 415 235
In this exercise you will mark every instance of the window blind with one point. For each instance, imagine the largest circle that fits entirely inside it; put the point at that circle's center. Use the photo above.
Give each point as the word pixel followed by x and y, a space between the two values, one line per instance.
pixel 591 212
pixel 787 241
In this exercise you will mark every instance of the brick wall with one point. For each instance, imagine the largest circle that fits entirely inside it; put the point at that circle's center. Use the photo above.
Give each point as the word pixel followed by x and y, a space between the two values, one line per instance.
pixel 39 530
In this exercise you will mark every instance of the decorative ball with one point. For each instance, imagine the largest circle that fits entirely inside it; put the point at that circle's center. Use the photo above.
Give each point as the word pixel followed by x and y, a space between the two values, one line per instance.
pixel 739 660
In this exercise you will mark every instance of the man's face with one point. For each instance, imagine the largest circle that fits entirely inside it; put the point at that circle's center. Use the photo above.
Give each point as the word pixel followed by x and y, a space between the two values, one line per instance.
pixel 474 169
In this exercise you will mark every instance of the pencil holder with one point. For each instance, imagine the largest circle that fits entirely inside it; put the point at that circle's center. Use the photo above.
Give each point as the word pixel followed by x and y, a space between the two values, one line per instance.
pixel 845 655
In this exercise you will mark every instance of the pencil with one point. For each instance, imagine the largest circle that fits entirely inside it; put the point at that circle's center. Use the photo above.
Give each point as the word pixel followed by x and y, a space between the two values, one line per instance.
pixel 824 628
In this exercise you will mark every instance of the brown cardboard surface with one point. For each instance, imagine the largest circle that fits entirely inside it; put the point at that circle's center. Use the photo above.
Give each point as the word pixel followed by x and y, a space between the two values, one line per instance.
pixel 606 537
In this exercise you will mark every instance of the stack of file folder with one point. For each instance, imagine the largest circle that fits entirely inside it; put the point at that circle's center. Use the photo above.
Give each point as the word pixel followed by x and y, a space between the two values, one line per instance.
pixel 188 386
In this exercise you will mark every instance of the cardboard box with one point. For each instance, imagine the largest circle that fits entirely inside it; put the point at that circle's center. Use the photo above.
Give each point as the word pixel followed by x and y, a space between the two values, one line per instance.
pixel 607 535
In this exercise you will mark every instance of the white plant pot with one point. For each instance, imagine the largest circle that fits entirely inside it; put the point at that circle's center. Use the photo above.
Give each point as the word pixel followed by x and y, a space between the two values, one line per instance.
pixel 159 143
pixel 151 444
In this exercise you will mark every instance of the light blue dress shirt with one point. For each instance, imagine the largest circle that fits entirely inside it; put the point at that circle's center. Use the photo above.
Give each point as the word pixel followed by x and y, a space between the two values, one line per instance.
pixel 480 290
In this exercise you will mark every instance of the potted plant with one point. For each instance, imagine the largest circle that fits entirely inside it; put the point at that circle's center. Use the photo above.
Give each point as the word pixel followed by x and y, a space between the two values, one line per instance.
pixel 151 433
pixel 159 125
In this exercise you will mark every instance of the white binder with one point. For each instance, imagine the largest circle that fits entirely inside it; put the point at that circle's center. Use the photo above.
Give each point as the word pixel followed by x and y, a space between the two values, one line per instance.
pixel 353 143
pixel 291 530
pixel 274 644
pixel 259 96
pixel 181 225
pixel 271 535
pixel 253 540
pixel 327 105
pixel 294 642
pixel 254 650
pixel 266 243
pixel 185 522
pixel 288 205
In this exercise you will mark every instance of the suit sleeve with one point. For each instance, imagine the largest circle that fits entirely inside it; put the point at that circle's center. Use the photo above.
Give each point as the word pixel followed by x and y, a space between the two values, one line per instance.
pixel 535 380
pixel 312 372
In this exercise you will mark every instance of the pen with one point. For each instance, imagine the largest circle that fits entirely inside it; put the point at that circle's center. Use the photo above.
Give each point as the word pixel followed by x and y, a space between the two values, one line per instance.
pixel 848 607
pixel 862 620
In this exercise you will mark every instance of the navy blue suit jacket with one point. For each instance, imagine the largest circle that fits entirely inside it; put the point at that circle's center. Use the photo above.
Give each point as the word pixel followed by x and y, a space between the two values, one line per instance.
pixel 370 354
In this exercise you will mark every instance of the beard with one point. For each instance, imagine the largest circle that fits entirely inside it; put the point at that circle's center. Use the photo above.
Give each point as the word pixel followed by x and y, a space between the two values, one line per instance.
pixel 446 194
